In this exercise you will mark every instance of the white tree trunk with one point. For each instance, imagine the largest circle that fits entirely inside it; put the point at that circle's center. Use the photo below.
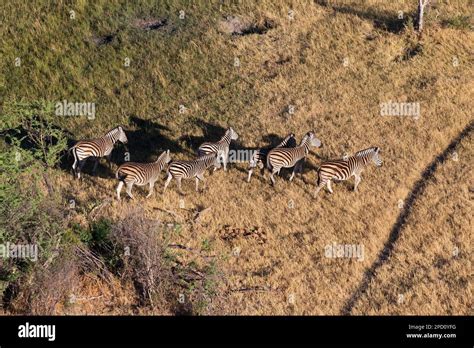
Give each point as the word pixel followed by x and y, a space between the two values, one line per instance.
pixel 421 9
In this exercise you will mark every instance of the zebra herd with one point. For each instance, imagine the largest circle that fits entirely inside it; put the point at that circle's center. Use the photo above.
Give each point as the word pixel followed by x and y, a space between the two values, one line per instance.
pixel 287 154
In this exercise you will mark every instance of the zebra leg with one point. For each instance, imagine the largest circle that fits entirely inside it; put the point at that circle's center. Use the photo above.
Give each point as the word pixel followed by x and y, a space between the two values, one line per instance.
pixel 119 189
pixel 329 186
pixel 300 167
pixel 199 177
pixel 274 171
pixel 292 175
pixel 152 184
pixel 357 181
pixel 81 165
pixel 250 174
pixel 296 168
pixel 197 184
pixel 179 186
pixel 74 165
pixel 225 156
pixel 129 189
pixel 294 171
pixel 167 181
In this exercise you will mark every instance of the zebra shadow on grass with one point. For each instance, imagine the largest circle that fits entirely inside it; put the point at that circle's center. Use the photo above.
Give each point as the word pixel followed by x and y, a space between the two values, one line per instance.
pixel 269 141
pixel 149 140
pixel 212 133
pixel 417 191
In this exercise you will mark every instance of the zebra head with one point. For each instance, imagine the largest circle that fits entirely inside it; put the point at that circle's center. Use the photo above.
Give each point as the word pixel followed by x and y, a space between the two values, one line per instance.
pixel 311 139
pixel 165 157
pixel 122 137
pixel 376 158
pixel 233 134
pixel 372 153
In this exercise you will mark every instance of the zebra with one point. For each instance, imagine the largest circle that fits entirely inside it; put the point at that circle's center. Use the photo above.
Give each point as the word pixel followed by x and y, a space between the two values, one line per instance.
pixel 221 146
pixel 131 173
pixel 345 168
pixel 259 157
pixel 190 169
pixel 100 147
pixel 285 157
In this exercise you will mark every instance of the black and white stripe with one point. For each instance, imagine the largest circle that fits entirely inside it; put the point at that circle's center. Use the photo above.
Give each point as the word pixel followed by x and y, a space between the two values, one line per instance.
pixel 259 158
pixel 221 146
pixel 345 168
pixel 97 148
pixel 192 169
pixel 132 173
pixel 284 157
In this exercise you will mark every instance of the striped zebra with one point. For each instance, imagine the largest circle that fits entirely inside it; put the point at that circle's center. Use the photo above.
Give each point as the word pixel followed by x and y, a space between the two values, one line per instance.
pixel 345 168
pixel 285 157
pixel 259 158
pixel 221 146
pixel 140 174
pixel 192 169
pixel 100 147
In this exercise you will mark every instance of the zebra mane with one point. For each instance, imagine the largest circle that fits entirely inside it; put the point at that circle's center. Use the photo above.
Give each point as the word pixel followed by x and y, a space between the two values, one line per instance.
pixel 366 152
pixel 289 141
pixel 163 154
pixel 113 130
pixel 227 133
pixel 305 138
pixel 209 155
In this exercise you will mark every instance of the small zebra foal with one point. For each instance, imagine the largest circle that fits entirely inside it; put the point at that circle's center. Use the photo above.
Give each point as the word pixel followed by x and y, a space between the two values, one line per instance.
pixel 100 147
pixel 259 158
pixel 141 174
pixel 190 169
pixel 285 157
pixel 221 146
pixel 345 168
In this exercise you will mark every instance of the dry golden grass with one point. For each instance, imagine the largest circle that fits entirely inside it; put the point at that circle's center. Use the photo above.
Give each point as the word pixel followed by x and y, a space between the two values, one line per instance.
pixel 300 63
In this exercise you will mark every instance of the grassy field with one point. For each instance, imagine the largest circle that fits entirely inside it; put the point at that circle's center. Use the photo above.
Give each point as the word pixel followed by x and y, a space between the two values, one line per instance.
pixel 174 76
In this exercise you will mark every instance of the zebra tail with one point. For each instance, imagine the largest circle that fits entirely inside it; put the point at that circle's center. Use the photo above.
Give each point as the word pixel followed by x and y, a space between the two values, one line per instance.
pixel 119 176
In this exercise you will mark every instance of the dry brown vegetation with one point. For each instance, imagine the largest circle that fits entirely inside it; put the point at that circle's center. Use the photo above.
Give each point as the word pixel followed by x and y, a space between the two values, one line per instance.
pixel 335 62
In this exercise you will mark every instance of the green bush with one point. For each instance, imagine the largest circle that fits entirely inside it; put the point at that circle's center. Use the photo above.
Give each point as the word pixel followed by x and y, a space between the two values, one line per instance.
pixel 32 126
pixel 30 146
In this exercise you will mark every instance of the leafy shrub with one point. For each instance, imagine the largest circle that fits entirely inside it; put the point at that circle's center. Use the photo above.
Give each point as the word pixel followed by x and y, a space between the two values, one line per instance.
pixel 29 214
pixel 163 282
pixel 32 126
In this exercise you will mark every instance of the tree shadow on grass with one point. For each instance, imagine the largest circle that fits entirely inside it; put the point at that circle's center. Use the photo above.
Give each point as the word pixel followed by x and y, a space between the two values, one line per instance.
pixel 417 191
